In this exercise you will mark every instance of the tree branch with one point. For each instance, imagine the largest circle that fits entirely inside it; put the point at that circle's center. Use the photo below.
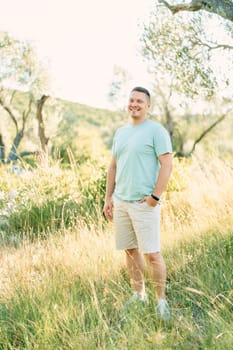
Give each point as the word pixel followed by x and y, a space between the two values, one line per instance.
pixel 218 46
pixel 41 127
pixel 205 132
pixel 12 97
pixel 8 110
pixel 26 113
pixel 193 6
pixel 223 8
pixel 214 46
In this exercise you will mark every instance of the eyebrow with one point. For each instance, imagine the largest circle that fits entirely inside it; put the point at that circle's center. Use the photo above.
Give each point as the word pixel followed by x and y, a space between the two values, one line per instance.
pixel 137 99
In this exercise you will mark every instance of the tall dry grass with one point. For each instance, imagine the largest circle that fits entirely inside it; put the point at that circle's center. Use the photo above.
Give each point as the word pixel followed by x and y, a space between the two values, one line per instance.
pixel 67 291
pixel 199 199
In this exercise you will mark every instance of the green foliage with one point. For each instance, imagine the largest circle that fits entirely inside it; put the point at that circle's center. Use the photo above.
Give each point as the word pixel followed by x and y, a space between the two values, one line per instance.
pixel 94 194
pixel 33 220
pixel 20 70
pixel 46 202
pixel 172 47
pixel 85 131
pixel 21 66
pixel 188 93
pixel 80 145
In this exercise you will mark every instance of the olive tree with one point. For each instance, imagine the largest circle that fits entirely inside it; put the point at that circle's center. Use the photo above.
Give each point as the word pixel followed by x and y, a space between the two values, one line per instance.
pixel 185 82
pixel 20 71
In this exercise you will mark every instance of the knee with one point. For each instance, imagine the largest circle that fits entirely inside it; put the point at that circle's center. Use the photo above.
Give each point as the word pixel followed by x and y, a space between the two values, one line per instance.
pixel 153 258
pixel 132 252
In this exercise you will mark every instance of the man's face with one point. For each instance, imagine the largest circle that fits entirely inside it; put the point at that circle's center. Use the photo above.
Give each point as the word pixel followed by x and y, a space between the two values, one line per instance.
pixel 138 105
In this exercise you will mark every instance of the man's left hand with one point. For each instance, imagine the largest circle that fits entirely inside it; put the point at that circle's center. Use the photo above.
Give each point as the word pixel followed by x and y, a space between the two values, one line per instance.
pixel 150 201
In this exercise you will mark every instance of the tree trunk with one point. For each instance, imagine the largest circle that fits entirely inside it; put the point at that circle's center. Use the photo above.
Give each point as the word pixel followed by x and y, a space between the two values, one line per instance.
pixel 2 150
pixel 14 148
pixel 169 123
pixel 223 8
pixel 44 140
pixel 19 132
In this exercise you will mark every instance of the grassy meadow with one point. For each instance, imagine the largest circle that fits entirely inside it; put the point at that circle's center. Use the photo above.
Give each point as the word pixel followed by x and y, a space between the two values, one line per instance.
pixel 63 285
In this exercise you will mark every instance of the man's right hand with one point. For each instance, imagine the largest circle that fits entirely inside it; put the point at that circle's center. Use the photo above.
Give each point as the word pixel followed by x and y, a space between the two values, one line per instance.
pixel 108 209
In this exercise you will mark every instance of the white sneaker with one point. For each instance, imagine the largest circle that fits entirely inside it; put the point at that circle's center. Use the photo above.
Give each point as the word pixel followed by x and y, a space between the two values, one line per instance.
pixel 134 304
pixel 136 298
pixel 163 310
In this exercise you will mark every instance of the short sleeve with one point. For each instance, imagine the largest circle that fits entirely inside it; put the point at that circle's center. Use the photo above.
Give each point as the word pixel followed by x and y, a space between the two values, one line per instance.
pixel 113 149
pixel 162 141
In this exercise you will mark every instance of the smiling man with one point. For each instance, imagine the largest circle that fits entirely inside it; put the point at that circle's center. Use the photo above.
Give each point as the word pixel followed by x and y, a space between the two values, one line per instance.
pixel 137 176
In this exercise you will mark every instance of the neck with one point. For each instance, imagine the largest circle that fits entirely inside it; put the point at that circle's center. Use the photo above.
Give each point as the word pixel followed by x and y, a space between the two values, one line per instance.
pixel 135 121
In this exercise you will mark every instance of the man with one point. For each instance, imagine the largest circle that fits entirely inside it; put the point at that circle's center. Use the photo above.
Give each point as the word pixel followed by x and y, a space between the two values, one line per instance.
pixel 137 176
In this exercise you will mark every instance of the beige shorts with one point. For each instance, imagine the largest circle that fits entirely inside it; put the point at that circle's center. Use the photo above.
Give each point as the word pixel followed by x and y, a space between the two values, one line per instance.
pixel 137 225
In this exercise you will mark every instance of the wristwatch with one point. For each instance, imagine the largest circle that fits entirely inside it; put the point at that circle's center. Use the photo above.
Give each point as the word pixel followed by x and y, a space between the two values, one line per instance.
pixel 156 198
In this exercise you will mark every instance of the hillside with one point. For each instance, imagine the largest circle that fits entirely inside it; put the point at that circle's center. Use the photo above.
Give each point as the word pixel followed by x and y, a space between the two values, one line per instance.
pixel 67 123
pixel 64 122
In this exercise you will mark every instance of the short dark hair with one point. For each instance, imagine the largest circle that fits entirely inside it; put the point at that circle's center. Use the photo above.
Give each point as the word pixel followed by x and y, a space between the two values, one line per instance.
pixel 142 89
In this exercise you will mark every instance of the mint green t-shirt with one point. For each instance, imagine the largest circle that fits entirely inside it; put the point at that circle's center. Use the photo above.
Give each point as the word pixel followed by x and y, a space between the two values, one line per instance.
pixel 136 149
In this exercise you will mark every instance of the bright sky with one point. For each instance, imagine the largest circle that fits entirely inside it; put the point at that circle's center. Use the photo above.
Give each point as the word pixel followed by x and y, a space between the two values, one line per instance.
pixel 81 40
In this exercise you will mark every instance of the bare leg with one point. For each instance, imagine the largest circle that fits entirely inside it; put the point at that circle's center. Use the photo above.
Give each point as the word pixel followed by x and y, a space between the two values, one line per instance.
pixel 135 265
pixel 157 270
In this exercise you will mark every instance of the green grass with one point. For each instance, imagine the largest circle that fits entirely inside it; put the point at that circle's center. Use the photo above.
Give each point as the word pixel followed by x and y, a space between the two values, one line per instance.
pixel 47 201
pixel 67 311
